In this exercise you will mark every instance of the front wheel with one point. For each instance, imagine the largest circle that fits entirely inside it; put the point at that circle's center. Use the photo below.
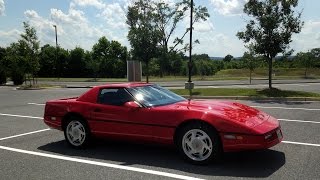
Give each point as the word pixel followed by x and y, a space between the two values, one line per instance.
pixel 77 133
pixel 199 143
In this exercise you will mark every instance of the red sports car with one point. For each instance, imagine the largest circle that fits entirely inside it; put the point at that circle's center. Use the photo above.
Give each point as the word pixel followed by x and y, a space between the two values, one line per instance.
pixel 201 130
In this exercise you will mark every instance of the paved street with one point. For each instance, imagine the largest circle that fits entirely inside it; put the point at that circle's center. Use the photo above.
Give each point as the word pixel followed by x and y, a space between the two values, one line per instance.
pixel 310 85
pixel 44 154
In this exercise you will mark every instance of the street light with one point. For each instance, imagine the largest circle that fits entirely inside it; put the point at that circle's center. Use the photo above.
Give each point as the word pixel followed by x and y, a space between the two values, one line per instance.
pixel 189 85
pixel 57 64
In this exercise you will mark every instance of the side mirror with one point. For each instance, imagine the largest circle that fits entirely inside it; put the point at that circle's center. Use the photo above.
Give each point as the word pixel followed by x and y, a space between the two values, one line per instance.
pixel 132 105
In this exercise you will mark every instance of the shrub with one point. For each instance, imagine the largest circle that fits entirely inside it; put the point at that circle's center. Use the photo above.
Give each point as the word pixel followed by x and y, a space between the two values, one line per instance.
pixel 17 78
pixel 3 77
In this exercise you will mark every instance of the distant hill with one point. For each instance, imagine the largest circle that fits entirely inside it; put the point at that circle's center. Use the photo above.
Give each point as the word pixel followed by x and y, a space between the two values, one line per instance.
pixel 216 58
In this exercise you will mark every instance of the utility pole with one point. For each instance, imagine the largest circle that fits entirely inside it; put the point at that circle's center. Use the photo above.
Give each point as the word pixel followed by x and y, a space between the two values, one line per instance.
pixel 57 63
pixel 190 85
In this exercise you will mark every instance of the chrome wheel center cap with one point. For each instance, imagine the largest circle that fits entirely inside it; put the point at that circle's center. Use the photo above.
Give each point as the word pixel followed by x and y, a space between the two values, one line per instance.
pixel 197 145
pixel 75 133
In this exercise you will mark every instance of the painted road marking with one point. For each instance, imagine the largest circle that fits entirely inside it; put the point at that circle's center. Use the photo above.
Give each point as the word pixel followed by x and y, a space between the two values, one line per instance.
pixel 291 120
pixel 37 104
pixel 97 163
pixel 268 107
pixel 24 134
pixel 300 143
pixel 22 116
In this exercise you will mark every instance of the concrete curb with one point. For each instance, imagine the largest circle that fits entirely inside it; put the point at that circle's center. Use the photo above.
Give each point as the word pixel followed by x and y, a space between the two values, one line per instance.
pixel 255 98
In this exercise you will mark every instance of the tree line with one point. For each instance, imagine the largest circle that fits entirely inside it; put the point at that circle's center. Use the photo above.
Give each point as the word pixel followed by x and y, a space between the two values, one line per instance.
pixel 26 60
pixel 161 49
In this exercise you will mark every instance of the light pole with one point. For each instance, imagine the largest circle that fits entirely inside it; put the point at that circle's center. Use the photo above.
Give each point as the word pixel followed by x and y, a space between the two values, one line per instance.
pixel 189 85
pixel 57 64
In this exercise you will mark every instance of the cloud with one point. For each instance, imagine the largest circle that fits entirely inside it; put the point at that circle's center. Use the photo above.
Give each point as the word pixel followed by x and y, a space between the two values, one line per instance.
pixel 2 7
pixel 218 44
pixel 74 28
pixel 95 3
pixel 8 37
pixel 204 26
pixel 114 15
pixel 308 38
pixel 228 7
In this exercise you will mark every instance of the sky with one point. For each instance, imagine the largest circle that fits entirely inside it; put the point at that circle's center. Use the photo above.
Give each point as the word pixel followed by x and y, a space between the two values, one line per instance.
pixel 82 22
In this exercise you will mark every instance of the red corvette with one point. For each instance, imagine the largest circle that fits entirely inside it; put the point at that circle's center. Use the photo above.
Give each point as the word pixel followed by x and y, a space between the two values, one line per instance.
pixel 201 130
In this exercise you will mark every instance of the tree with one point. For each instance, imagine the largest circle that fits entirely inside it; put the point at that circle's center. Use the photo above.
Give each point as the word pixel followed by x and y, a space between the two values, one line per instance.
pixel 76 65
pixel 228 58
pixel 30 41
pixel 316 53
pixel 143 33
pixel 154 68
pixel 109 58
pixel 271 26
pixel 307 60
pixel 3 69
pixel 205 67
pixel 167 18
pixel 176 63
pixel 63 62
pixel 17 63
pixel 47 61
pixel 250 63
pixel 92 64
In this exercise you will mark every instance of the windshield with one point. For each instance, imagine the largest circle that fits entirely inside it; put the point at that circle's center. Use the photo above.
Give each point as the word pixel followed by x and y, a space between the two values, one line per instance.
pixel 154 95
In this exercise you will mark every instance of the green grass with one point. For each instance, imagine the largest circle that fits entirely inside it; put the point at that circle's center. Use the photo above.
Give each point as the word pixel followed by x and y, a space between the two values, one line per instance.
pixel 278 72
pixel 227 74
pixel 245 92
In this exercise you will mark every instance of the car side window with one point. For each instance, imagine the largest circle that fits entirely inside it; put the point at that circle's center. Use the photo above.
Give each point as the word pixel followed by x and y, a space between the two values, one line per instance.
pixel 114 96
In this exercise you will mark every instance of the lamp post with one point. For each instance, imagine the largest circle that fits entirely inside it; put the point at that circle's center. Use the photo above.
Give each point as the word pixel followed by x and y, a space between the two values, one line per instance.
pixel 190 85
pixel 57 64
pixel 190 48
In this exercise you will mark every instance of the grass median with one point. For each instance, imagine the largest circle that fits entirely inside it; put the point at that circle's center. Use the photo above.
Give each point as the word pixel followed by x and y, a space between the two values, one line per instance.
pixel 246 92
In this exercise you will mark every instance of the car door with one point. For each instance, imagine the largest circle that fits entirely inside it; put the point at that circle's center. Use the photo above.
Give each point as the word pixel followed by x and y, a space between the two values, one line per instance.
pixel 110 116
pixel 158 122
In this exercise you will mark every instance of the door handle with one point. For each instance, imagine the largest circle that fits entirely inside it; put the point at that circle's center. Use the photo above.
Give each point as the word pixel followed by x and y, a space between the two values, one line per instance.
pixel 97 110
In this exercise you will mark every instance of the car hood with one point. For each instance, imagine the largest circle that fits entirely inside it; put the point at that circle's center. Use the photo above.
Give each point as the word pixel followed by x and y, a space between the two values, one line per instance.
pixel 227 110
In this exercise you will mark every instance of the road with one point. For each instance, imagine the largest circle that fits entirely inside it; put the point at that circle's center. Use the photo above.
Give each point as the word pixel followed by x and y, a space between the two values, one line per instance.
pixel 309 85
pixel 44 154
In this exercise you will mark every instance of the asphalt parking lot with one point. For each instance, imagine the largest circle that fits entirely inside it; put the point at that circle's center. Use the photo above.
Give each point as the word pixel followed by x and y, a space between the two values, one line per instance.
pixel 29 150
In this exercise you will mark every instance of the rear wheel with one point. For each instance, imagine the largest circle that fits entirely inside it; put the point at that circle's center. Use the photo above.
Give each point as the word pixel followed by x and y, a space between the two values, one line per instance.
pixel 199 143
pixel 77 132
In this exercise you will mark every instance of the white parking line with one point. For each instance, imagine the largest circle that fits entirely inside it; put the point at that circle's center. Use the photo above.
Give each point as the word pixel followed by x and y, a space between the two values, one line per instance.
pixel 300 143
pixel 97 163
pixel 33 132
pixel 268 107
pixel 302 121
pixel 37 104
pixel 22 116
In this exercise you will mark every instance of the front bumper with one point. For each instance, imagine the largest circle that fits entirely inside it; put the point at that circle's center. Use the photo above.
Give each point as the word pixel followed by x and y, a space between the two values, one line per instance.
pixel 242 142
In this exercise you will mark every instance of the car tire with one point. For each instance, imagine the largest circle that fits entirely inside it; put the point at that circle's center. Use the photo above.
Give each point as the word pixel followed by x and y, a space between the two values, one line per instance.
pixel 76 132
pixel 199 143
